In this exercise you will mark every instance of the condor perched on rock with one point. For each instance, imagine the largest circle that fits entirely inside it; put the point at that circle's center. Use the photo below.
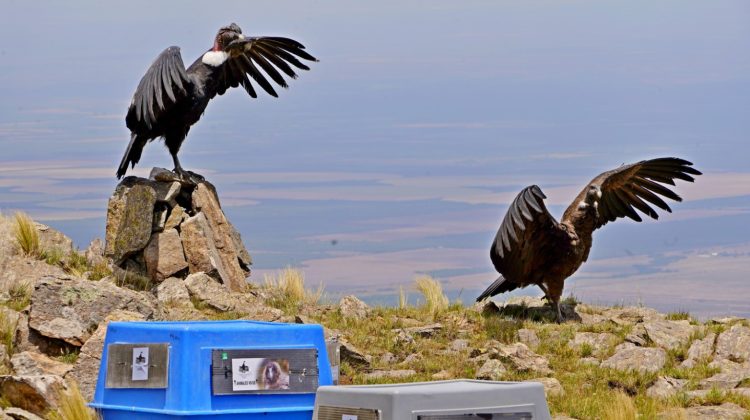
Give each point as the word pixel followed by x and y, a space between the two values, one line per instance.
pixel 531 247
pixel 170 99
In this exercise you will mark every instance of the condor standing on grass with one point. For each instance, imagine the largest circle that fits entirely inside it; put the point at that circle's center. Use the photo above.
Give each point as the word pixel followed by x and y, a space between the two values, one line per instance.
pixel 170 99
pixel 531 247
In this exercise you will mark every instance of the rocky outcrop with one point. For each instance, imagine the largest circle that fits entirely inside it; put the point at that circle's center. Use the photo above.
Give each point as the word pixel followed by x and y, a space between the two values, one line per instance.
pixel 734 344
pixel 162 228
pixel 70 309
pixel 491 370
pixel 668 334
pixel 700 350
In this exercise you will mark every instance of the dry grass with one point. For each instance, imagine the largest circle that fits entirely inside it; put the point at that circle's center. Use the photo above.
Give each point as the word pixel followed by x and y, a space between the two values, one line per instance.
pixel 7 333
pixel 72 406
pixel 288 291
pixel 435 300
pixel 621 407
pixel 19 294
pixel 402 299
pixel 27 236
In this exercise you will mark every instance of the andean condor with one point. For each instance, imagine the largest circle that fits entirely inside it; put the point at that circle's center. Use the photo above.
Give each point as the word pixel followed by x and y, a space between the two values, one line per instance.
pixel 170 99
pixel 531 247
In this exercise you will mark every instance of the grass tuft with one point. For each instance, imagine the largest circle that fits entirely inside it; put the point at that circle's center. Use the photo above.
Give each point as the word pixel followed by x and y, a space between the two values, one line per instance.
pixel 72 406
pixel 288 291
pixel 621 407
pixel 502 329
pixel 402 299
pixel 19 295
pixel 678 316
pixel 435 300
pixel 131 280
pixel 7 333
pixel 27 236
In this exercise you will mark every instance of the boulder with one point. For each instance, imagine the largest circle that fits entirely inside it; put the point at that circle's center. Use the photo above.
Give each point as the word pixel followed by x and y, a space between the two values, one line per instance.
pixel 176 217
pixel 352 355
pixel 130 215
pixel 71 309
pixel 491 370
pixel 630 315
pixel 351 307
pixel 726 411
pixel 669 335
pixel 94 253
pixel 51 240
pixel 528 337
pixel 552 387
pixel 700 350
pixel 459 344
pixel 638 336
pixel 206 289
pixel 726 380
pixel 424 331
pixel 734 344
pixel 200 249
pixel 644 359
pixel 15 413
pixel 173 290
pixel 205 200
pixel 33 363
pixel 37 393
pixel 86 369
pixel 164 255
pixel 665 387
pixel 520 358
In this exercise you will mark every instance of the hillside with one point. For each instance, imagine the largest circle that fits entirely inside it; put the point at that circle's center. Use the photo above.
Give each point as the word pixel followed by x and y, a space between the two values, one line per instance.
pixel 603 363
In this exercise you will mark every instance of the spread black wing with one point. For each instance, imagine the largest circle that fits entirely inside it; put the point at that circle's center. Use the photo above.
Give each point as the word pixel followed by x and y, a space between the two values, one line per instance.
pixel 525 234
pixel 165 83
pixel 252 59
pixel 637 186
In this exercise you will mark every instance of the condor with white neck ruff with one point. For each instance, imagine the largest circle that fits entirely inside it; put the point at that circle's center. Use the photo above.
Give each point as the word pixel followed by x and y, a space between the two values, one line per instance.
pixel 170 99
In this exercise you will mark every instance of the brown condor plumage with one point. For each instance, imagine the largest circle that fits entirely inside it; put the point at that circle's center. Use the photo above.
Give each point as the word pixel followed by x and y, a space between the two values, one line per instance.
pixel 170 99
pixel 531 247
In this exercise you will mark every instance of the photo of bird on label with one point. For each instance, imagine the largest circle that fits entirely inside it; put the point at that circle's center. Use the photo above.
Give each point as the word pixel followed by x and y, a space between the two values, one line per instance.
pixel 257 374
pixel 140 364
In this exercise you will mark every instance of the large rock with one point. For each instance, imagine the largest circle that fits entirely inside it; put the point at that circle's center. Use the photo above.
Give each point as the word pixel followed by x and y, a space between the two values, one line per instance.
pixel 734 344
pixel 164 255
pixel 130 215
pixel 552 387
pixel 52 240
pixel 491 370
pixel 528 337
pixel 726 380
pixel 726 411
pixel 86 369
pixel 669 334
pixel 200 248
pixel 630 315
pixel 71 309
pixel 206 201
pixel 520 357
pixel 15 413
pixel 32 363
pixel 206 289
pixel 173 290
pixel 37 394
pixel 644 359
pixel 665 387
pixel 700 350
pixel 351 307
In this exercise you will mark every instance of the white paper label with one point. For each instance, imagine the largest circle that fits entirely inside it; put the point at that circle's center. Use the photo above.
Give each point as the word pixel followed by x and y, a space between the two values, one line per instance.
pixel 251 374
pixel 140 364
pixel 348 417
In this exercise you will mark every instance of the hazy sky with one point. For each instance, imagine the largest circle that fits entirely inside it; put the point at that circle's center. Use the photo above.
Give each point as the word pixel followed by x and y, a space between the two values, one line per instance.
pixel 398 153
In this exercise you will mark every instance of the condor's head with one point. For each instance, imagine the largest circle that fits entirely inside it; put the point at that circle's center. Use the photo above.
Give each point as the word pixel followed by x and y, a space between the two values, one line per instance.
pixel 591 200
pixel 218 55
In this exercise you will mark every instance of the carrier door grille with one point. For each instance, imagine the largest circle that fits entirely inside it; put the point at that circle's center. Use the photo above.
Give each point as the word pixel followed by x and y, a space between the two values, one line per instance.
pixel 327 412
